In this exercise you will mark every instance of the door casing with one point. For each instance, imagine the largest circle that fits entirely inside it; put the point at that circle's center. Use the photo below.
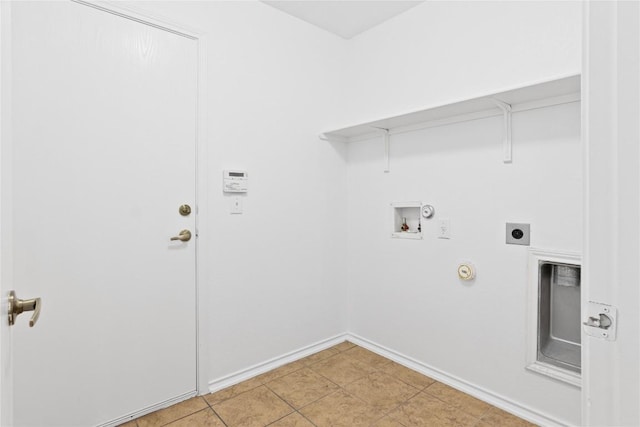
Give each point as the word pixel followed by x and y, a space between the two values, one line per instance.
pixel 611 154
pixel 201 208
pixel 6 371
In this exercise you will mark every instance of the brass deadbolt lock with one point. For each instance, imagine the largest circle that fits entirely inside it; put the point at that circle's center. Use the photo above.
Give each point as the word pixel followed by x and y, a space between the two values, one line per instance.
pixel 184 210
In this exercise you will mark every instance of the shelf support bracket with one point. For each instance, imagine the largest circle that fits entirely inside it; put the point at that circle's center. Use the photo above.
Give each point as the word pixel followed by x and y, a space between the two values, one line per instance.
pixel 387 147
pixel 506 143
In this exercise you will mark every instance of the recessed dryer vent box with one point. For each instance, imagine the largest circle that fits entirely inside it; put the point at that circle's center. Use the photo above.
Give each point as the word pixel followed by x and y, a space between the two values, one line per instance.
pixel 407 220
pixel 554 320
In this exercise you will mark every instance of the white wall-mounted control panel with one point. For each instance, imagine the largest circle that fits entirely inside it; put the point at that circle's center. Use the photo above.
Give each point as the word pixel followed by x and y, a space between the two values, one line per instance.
pixel 234 181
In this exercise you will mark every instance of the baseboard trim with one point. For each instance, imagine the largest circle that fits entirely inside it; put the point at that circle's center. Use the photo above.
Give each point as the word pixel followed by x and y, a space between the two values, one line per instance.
pixel 149 410
pixel 276 362
pixel 494 399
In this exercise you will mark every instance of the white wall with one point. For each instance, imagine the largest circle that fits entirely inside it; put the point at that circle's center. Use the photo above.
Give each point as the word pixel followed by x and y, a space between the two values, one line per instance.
pixel 441 51
pixel 278 271
pixel 404 294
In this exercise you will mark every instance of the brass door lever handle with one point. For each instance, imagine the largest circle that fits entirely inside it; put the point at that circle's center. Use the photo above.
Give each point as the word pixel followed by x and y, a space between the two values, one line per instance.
pixel 184 236
pixel 17 306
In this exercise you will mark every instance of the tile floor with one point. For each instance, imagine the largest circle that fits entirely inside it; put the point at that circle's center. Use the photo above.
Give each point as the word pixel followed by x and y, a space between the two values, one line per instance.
pixel 345 385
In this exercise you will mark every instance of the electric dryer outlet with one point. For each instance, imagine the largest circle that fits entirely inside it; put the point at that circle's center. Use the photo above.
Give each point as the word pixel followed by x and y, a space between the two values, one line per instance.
pixel 518 234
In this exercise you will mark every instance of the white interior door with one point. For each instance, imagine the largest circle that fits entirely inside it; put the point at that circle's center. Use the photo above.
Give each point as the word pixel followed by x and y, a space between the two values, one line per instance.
pixel 104 153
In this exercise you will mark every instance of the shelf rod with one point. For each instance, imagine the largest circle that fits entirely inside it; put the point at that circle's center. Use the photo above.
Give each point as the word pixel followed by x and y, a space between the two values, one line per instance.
pixel 506 142
pixel 387 147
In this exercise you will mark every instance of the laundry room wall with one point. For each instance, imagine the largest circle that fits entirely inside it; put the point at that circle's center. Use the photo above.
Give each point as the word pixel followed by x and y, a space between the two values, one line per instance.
pixel 404 295
pixel 442 51
pixel 277 272
pixel 316 214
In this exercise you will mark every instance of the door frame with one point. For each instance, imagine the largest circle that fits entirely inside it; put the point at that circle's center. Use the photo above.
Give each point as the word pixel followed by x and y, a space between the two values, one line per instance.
pixel 201 182
pixel 6 375
pixel 611 201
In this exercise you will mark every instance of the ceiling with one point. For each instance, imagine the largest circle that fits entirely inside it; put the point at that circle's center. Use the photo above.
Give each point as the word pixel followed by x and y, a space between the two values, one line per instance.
pixel 345 18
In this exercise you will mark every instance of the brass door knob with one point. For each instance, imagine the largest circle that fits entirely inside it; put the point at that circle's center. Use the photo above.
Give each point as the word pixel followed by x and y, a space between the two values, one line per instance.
pixel 17 306
pixel 184 210
pixel 183 236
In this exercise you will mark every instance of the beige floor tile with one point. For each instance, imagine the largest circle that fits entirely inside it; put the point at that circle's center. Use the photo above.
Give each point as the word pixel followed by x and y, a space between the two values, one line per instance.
pixel 257 407
pixel 381 390
pixel 370 358
pixel 387 422
pixel 281 371
pixel 340 409
pixel 293 420
pixel 321 355
pixel 407 375
pixel 172 413
pixel 343 346
pixel 302 387
pixel 426 410
pixel 469 404
pixel 204 418
pixel 233 391
pixel 342 369
pixel 376 392
pixel 499 418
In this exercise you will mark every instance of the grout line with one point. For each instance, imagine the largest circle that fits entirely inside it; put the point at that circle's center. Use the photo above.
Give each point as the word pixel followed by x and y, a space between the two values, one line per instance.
pixel 317 400
pixel 322 397
pixel 215 412
pixel 421 388
pixel 395 419
pixel 275 421
pixel 219 417
pixel 185 416
pixel 208 403
pixel 302 415
pixel 326 378
pixel 315 362
pixel 278 396
pixel 356 397
pixel 235 395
